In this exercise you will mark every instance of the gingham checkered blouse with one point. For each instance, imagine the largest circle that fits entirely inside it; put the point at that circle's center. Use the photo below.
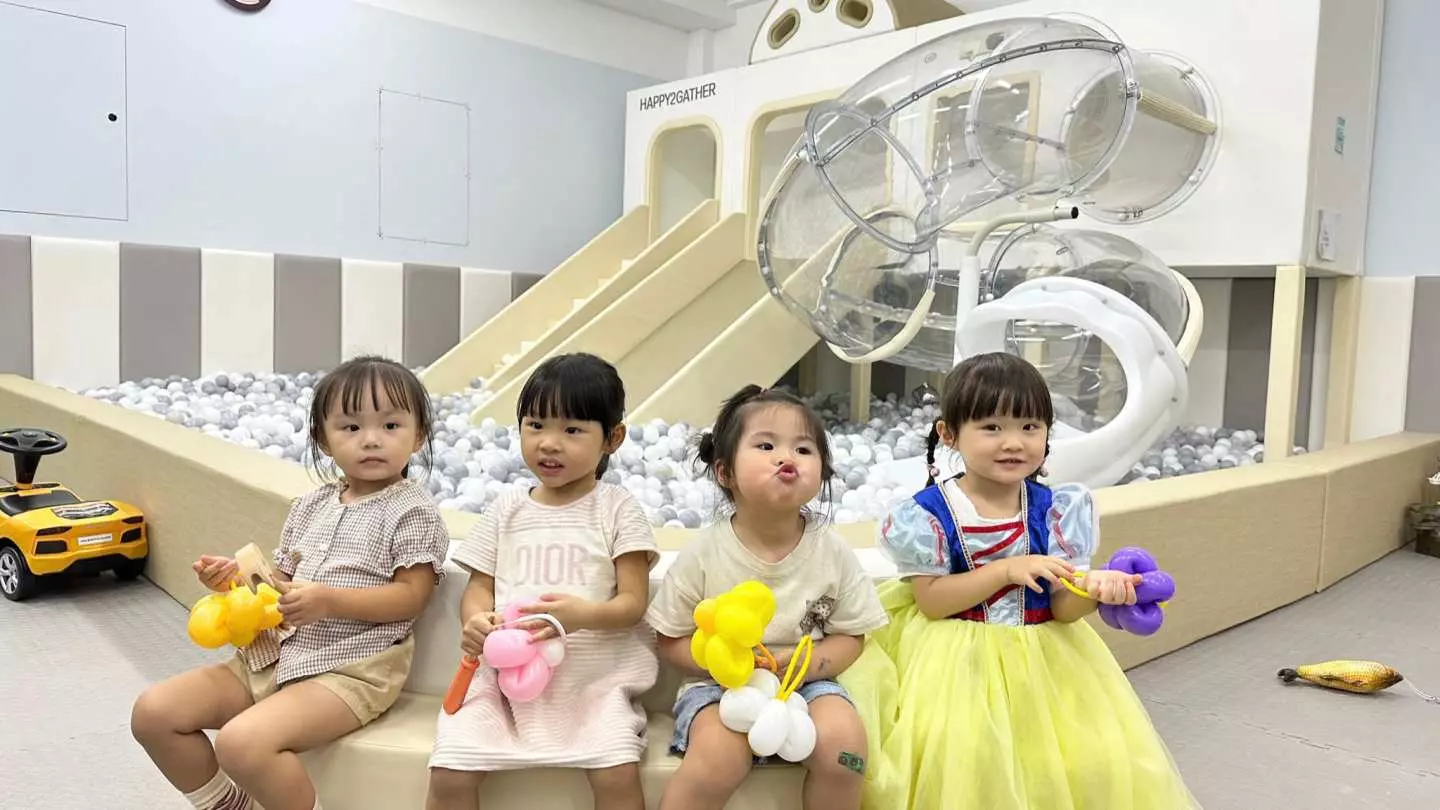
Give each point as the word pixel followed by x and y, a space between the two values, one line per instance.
pixel 350 545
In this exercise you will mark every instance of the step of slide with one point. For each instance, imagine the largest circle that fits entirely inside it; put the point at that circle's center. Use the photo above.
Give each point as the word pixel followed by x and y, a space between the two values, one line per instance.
pixel 526 345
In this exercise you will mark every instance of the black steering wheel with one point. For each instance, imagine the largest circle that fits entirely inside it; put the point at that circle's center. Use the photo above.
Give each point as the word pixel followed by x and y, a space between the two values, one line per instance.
pixel 31 441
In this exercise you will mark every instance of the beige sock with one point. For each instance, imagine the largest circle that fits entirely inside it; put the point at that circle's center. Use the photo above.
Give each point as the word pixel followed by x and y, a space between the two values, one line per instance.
pixel 220 793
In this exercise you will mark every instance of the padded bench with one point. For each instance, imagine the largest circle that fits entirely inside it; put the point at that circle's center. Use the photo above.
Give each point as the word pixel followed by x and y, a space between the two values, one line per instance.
pixel 384 765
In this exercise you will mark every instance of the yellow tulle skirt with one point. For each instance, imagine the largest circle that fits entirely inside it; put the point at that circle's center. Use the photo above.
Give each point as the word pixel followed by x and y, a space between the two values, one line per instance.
pixel 961 715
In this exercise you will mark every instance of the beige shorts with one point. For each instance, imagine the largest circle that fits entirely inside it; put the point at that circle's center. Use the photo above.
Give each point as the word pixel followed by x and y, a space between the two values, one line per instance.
pixel 368 686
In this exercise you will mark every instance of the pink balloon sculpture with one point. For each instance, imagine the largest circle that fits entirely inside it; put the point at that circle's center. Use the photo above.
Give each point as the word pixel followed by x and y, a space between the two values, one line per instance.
pixel 1145 616
pixel 524 666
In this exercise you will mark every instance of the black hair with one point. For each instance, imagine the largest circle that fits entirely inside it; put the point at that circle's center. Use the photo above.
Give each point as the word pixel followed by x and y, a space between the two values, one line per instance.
pixel 576 386
pixel 367 375
pixel 988 385
pixel 716 448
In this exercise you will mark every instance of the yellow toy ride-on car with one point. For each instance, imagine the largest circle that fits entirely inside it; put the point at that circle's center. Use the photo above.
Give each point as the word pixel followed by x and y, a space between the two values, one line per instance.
pixel 46 530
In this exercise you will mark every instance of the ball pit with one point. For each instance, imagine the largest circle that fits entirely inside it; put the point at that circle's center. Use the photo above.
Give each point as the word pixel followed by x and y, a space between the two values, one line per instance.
pixel 474 463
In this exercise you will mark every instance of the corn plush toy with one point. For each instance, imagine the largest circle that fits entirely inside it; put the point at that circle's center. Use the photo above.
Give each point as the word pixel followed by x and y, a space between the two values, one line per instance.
pixel 1359 677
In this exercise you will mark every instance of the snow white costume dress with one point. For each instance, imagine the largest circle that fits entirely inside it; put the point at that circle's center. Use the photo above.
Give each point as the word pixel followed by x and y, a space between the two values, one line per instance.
pixel 1000 707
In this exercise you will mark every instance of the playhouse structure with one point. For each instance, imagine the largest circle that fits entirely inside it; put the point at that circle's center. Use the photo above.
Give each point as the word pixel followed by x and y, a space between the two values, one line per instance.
pixel 1275 186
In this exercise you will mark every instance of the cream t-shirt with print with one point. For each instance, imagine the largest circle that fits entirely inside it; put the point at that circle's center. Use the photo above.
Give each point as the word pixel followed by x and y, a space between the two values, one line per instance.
pixel 820 588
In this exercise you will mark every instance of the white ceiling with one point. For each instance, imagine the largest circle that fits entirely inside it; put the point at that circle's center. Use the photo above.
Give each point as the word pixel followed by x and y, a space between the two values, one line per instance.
pixel 695 15
pixel 686 15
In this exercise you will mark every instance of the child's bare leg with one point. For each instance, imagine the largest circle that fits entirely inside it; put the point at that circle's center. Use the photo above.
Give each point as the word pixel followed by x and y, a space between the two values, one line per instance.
pixel 716 761
pixel 170 718
pixel 617 788
pixel 454 790
pixel 259 749
pixel 835 775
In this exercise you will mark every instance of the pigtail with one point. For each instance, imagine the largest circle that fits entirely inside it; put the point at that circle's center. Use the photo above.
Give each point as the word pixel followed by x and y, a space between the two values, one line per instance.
pixel 705 448
pixel 930 444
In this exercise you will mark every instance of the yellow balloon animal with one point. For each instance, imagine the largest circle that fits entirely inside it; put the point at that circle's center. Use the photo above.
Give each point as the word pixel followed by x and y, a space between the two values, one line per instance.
pixel 235 617
pixel 728 628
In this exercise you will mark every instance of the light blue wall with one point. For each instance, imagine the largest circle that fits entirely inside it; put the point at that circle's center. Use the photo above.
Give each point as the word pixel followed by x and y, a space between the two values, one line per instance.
pixel 258 132
pixel 1400 230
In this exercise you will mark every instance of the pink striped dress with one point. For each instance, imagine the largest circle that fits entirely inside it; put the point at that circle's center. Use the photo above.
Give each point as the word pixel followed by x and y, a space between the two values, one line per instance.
pixel 590 715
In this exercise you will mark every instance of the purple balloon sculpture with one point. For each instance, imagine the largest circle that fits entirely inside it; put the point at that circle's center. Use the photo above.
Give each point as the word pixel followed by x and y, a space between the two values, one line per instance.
pixel 1145 616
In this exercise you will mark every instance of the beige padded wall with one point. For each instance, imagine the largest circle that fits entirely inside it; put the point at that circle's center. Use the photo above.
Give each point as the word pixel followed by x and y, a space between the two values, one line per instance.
pixel 1239 543
pixel 1368 486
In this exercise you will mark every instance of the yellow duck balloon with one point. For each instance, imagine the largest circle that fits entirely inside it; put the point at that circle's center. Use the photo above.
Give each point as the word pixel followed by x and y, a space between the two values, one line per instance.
pixel 235 617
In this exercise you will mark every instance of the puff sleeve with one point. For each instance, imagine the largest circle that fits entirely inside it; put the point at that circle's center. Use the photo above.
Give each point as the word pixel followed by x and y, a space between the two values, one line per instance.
pixel 420 538
pixel 1073 524
pixel 914 541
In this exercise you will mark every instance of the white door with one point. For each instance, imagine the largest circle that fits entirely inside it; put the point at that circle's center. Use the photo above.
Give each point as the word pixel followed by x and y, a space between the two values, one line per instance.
pixel 62 129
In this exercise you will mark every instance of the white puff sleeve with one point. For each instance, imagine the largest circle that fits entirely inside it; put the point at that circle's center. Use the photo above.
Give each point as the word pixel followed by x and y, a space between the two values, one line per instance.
pixel 1074 524
pixel 915 541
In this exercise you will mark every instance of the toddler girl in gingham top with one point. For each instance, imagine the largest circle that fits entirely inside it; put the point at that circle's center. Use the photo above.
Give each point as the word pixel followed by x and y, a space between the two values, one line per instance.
pixel 358 560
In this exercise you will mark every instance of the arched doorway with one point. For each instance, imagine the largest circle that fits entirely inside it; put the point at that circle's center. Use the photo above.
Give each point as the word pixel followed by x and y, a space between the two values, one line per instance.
pixel 684 172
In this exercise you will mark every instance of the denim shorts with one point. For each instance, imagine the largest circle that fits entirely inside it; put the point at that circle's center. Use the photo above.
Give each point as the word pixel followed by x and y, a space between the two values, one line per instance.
pixel 696 698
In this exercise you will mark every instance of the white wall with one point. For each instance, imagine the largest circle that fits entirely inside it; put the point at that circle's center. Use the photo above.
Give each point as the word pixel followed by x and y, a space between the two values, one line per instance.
pixel 575 28
pixel 1382 351
pixel 260 132
pixel 1405 173
pixel 1208 367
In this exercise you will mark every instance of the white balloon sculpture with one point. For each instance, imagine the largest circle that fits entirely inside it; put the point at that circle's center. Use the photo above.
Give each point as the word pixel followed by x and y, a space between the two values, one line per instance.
pixel 774 717
pixel 756 703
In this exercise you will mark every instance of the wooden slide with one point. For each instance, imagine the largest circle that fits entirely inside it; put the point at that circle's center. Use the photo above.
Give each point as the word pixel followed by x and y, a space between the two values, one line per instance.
pixel 685 336
pixel 530 328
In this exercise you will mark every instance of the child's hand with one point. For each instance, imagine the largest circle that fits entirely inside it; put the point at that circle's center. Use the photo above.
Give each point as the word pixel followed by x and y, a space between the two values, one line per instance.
pixel 303 603
pixel 215 573
pixel 1111 587
pixel 782 657
pixel 1026 571
pixel 477 627
pixel 571 611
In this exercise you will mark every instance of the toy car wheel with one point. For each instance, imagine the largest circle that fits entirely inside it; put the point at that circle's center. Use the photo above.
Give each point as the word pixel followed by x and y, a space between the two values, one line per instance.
pixel 130 569
pixel 16 580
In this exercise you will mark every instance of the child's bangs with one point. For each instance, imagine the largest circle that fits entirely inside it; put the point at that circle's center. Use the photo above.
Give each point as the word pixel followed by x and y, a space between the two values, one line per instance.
pixel 1026 398
pixel 566 393
pixel 813 427
pixel 363 384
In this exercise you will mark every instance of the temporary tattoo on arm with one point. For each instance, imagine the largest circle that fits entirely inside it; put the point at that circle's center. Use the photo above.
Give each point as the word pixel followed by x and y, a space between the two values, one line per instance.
pixel 854 762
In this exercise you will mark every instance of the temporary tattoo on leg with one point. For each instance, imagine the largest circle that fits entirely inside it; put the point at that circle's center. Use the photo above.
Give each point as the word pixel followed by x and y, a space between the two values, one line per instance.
pixel 853 762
